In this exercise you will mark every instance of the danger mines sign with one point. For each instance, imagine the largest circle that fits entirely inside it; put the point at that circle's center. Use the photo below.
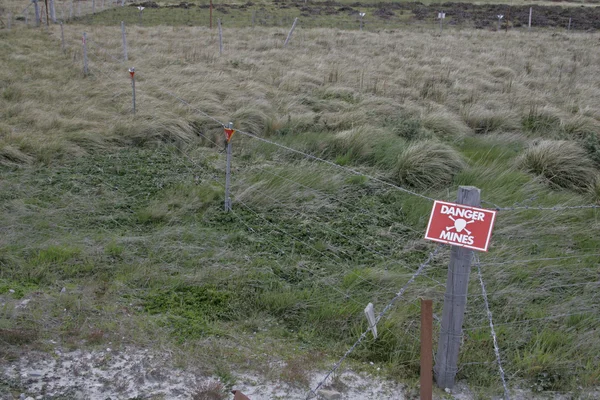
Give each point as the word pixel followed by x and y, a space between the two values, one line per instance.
pixel 461 225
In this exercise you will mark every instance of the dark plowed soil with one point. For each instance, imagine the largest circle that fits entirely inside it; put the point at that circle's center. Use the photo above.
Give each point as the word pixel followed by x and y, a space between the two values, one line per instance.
pixel 483 16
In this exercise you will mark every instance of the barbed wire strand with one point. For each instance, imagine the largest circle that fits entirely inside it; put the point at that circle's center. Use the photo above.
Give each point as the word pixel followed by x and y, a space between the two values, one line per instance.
pixel 424 264
pixel 493 332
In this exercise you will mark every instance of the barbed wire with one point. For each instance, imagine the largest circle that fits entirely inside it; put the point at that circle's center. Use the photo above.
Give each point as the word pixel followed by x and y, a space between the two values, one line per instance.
pixel 526 261
pixel 517 207
pixel 493 332
pixel 523 321
pixel 420 269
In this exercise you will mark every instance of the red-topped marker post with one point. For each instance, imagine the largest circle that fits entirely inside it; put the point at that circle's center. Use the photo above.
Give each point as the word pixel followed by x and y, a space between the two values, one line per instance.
pixel 228 134
pixel 466 227
pixel 132 74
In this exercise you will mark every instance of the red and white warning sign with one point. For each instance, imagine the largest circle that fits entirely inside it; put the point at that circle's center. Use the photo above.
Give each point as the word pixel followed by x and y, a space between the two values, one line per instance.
pixel 228 134
pixel 461 225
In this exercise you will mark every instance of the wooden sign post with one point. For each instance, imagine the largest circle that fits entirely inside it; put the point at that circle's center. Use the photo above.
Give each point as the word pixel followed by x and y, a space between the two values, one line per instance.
pixel 466 228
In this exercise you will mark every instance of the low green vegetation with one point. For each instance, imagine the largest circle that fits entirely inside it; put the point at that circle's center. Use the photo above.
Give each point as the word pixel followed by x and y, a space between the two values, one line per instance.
pixel 114 229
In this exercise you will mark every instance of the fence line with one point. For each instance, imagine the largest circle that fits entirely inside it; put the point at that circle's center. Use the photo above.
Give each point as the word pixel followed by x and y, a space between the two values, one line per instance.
pixel 424 264
pixel 356 172
pixel 551 317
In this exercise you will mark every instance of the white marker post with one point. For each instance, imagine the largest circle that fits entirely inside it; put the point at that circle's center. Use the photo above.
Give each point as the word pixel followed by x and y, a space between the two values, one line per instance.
pixel 362 14
pixel 71 10
pixel 370 314
pixel 124 40
pixel 93 6
pixel 228 134
pixel 289 36
pixel 85 58
pixel 500 16
pixel 569 27
pixel 141 10
pixel 530 13
pixel 132 74
pixel 441 16
pixel 220 36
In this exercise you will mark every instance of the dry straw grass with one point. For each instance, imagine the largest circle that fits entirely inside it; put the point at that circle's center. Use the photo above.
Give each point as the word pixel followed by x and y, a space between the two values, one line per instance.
pixel 563 164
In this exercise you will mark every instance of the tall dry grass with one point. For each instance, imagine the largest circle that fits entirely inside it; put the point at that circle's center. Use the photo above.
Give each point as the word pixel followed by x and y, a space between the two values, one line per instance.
pixel 461 83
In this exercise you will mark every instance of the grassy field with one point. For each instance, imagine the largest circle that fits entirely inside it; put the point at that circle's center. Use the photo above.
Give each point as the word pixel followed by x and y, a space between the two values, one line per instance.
pixel 126 212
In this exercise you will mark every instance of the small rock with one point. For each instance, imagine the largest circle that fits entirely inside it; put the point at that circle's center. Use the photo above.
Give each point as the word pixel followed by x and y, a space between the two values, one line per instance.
pixel 22 396
pixel 35 374
pixel 11 291
pixel 108 350
pixel 329 394
pixel 29 398
pixel 447 390
pixel 64 289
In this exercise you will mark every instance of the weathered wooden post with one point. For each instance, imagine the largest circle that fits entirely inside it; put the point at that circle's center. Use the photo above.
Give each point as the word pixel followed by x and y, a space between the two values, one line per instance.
pixel 210 8
pixel 455 301
pixel 85 58
pixel 466 228
pixel 124 40
pixel 36 7
pixel 289 36
pixel 220 36
pixel 530 13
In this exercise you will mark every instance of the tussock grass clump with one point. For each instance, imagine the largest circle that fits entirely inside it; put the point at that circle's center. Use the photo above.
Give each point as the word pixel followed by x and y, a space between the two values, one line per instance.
pixel 10 156
pixel 253 120
pixel 427 164
pixel 445 124
pixel 563 164
pixel 143 131
pixel 541 121
pixel 581 127
pixel 483 121
pixel 358 144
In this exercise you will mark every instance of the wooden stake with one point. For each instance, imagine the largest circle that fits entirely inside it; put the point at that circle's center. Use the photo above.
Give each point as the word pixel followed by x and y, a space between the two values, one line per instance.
pixel 455 302
pixel 71 10
pixel 530 12
pixel 9 22
pixel 47 16
pixel 220 37
pixel 289 36
pixel 569 27
pixel 211 7
pixel 93 6
pixel 426 349
pixel 85 59
pixel 124 40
